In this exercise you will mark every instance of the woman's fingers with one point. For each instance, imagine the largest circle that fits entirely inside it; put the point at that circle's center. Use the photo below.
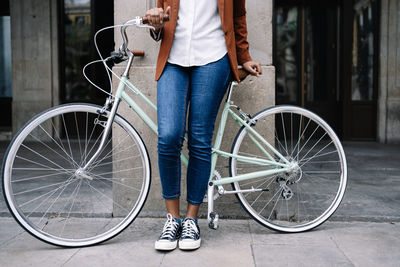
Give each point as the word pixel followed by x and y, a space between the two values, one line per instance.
pixel 254 68
pixel 258 67
pixel 168 10
pixel 155 16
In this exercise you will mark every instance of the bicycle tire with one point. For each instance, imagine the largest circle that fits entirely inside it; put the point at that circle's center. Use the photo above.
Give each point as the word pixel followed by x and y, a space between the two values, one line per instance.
pixel 325 192
pixel 99 207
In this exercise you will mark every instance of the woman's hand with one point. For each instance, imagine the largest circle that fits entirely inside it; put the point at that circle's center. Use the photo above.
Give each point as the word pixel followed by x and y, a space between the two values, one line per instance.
pixel 155 16
pixel 253 67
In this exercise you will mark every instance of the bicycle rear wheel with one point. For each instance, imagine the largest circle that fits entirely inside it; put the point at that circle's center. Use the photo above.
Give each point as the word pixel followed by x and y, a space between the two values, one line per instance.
pixel 57 204
pixel 304 198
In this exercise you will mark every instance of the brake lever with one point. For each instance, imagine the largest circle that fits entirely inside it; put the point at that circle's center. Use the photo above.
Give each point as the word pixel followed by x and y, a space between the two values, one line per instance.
pixel 146 26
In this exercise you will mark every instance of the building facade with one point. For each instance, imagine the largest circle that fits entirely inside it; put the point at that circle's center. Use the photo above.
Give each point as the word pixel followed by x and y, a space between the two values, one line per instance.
pixel 338 58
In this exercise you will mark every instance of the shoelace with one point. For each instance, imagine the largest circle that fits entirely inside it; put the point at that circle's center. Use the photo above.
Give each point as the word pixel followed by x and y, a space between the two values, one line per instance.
pixel 189 229
pixel 170 228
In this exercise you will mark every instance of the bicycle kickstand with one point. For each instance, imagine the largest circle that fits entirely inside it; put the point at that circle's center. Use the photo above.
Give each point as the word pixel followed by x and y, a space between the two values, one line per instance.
pixel 212 216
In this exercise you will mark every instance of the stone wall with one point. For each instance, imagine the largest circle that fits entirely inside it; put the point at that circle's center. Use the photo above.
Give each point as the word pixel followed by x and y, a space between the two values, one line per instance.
pixel 252 95
pixel 34 58
pixel 389 76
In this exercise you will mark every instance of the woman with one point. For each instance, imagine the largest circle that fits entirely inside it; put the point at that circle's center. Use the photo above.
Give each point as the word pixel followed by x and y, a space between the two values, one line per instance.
pixel 202 44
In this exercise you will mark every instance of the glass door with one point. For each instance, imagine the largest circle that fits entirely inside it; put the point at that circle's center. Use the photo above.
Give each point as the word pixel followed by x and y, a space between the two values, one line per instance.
pixel 360 100
pixel 325 54
pixel 80 21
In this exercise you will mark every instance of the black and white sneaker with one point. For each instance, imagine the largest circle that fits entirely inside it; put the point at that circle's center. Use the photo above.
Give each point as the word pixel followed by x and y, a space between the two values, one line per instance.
pixel 190 236
pixel 168 239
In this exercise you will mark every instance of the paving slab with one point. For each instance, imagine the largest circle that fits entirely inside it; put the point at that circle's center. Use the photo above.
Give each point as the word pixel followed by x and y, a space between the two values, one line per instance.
pixel 227 246
pixel 235 243
pixel 331 244
pixel 370 245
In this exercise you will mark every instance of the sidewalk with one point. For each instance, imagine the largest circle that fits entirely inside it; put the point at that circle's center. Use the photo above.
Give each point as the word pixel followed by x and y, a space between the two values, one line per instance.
pixel 364 231
pixel 235 243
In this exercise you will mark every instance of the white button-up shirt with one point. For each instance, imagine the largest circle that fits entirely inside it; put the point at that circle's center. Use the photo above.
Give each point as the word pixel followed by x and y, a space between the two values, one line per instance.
pixel 199 38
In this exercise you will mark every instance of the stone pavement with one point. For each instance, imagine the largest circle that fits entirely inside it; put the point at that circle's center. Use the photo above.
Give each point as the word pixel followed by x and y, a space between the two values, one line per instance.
pixel 365 230
pixel 235 243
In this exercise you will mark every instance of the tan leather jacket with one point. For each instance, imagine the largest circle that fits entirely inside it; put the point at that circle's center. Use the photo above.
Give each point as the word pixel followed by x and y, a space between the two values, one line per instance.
pixel 233 18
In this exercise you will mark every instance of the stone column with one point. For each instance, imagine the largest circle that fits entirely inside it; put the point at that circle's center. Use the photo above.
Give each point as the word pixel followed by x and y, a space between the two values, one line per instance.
pixel 389 76
pixel 34 58
pixel 252 95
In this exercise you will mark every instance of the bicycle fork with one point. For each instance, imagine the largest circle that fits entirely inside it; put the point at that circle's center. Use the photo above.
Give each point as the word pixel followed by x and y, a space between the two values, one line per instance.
pixel 81 172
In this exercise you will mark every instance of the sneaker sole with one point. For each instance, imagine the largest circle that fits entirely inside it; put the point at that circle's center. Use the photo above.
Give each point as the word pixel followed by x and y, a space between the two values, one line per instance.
pixel 185 245
pixel 165 245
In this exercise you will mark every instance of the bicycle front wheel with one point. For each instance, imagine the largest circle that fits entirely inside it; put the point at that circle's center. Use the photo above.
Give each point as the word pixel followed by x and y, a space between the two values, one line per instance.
pixel 61 206
pixel 306 196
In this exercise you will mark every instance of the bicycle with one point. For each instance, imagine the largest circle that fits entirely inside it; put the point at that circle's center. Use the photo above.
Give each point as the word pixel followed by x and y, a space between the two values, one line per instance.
pixel 78 174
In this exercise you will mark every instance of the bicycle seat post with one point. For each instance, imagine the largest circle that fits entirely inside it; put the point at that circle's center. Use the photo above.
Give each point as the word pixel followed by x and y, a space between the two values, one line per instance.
pixel 230 88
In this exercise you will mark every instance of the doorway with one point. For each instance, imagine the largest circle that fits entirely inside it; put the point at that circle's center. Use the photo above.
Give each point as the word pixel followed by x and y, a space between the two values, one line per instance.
pixel 324 63
pixel 80 20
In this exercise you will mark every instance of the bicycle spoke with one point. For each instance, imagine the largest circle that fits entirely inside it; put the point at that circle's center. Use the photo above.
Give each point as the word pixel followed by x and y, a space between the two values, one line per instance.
pixel 299 197
pixel 96 195
pixel 59 143
pixel 308 172
pixel 121 207
pixel 273 208
pixel 38 188
pixel 124 170
pixel 252 181
pixel 86 132
pixel 94 144
pixel 36 198
pixel 309 138
pixel 79 137
pixel 66 133
pixel 45 167
pixel 68 160
pixel 284 133
pixel 116 161
pixel 316 155
pixel 98 177
pixel 109 156
pixel 73 202
pixel 300 137
pixel 67 182
pixel 43 157
pixel 291 132
pixel 36 177
pixel 319 140
pixel 279 142
pixel 110 153
pixel 277 192
pixel 88 142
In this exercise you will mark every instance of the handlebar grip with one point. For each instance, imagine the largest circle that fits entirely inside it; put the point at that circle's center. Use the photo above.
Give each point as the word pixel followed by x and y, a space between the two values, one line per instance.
pixel 146 21
pixel 138 53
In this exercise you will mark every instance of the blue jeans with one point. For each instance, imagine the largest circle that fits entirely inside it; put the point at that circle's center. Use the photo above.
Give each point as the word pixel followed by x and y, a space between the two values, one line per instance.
pixel 202 89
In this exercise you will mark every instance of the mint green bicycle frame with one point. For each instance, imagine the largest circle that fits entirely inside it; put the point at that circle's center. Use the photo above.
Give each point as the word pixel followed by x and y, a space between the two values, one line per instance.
pixel 275 166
